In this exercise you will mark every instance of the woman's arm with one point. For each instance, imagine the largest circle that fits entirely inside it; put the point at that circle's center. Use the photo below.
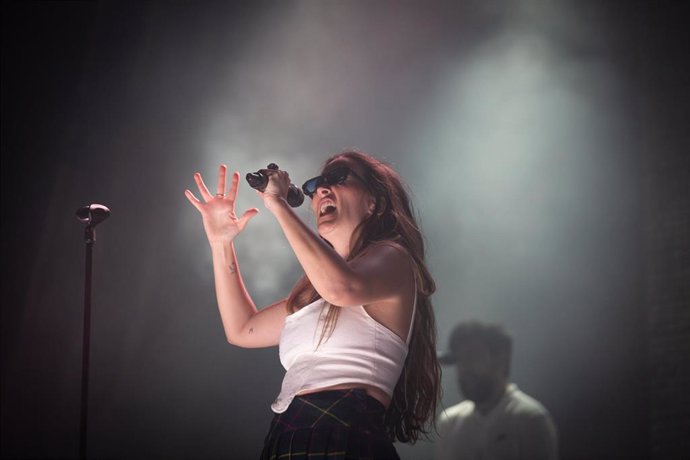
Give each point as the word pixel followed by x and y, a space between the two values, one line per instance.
pixel 244 325
pixel 376 276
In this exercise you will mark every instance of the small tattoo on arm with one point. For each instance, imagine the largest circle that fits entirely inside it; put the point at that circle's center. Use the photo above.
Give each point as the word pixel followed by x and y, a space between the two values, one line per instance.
pixel 233 268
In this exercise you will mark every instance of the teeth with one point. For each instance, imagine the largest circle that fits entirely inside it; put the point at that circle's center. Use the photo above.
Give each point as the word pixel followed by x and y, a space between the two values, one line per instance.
pixel 326 207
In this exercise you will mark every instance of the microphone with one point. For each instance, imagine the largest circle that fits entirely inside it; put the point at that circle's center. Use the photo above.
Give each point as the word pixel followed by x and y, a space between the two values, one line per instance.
pixel 259 181
pixel 93 214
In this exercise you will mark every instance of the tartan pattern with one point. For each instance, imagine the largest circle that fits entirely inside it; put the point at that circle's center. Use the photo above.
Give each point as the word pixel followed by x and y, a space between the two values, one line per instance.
pixel 333 425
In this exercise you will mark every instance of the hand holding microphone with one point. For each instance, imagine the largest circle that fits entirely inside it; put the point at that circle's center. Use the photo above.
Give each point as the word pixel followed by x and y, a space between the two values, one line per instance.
pixel 259 180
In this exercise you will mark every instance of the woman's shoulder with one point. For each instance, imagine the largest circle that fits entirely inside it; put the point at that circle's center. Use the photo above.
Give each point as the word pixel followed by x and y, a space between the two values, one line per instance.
pixel 383 244
pixel 392 256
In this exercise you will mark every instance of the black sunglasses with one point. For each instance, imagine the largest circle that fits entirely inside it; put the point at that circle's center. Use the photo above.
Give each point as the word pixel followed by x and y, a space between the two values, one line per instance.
pixel 335 176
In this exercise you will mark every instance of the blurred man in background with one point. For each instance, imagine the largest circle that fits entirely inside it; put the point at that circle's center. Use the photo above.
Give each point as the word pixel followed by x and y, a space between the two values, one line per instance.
pixel 496 421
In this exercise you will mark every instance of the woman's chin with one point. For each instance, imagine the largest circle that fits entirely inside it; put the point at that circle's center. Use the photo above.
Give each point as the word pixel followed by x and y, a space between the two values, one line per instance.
pixel 326 228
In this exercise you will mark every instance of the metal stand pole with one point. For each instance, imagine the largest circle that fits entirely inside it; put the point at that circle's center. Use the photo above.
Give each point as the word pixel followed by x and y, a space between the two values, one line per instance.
pixel 90 215
pixel 89 238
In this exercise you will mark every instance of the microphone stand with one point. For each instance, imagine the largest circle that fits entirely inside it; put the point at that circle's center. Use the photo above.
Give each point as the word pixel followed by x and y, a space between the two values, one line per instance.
pixel 89 239
pixel 91 215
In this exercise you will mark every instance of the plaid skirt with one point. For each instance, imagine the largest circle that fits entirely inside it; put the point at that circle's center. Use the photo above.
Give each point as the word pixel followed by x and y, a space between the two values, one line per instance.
pixel 333 425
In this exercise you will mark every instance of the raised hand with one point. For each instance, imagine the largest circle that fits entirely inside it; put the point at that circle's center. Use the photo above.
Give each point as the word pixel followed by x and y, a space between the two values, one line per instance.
pixel 218 211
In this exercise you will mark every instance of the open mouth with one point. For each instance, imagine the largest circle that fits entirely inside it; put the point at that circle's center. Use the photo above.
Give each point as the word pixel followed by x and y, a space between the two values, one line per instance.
pixel 326 208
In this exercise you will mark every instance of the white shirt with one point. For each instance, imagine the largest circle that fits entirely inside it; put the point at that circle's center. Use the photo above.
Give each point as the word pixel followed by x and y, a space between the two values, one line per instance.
pixel 360 350
pixel 518 428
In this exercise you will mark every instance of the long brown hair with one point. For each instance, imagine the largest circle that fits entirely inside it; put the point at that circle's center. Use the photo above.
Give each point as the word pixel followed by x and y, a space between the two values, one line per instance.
pixel 412 411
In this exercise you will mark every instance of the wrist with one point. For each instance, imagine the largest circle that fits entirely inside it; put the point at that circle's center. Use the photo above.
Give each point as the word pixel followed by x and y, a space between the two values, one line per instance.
pixel 275 203
pixel 220 245
pixel 224 252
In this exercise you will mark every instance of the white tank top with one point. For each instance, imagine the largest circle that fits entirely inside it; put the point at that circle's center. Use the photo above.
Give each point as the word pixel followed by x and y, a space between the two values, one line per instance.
pixel 360 350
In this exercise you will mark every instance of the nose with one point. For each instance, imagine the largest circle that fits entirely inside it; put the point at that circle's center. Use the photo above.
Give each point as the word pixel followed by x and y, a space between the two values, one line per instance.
pixel 323 190
pixel 461 370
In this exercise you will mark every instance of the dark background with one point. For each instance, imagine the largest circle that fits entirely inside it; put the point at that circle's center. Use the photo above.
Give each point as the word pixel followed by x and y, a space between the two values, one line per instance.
pixel 546 145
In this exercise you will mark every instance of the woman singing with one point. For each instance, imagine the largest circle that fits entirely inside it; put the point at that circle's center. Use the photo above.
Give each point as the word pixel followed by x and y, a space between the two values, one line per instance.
pixel 356 334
